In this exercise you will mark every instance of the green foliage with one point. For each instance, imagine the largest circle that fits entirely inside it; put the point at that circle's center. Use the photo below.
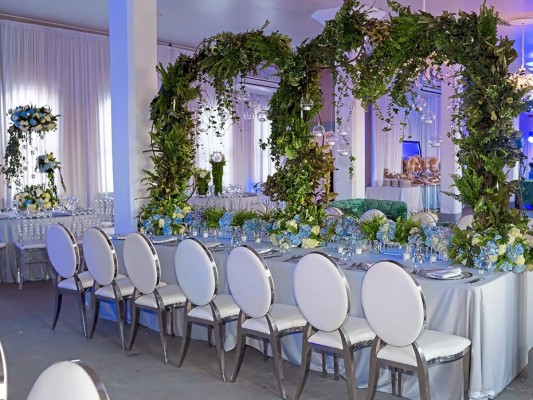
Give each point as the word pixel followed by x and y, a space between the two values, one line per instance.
pixel 404 227
pixel 370 226
pixel 212 215
pixel 240 216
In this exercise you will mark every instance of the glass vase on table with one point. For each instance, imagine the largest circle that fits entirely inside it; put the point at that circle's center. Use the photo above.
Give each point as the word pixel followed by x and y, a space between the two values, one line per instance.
pixel 417 261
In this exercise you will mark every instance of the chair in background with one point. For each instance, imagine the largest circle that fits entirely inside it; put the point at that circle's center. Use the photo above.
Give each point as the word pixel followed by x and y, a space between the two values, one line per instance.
pixel 425 218
pixel 30 247
pixel 3 374
pixel 259 207
pixel 64 255
pixel 323 297
pixel 68 380
pixel 402 343
pixel 369 214
pixel 109 285
pixel 197 276
pixel 465 222
pixel 144 271
pixel 252 287
pixel 333 212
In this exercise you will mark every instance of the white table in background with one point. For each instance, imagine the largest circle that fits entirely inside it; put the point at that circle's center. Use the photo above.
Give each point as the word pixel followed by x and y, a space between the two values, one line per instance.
pixel 491 313
pixel 233 203
pixel 412 195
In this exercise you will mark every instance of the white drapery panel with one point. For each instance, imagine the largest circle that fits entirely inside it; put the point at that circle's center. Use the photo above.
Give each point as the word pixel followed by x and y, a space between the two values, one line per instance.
pixel 387 148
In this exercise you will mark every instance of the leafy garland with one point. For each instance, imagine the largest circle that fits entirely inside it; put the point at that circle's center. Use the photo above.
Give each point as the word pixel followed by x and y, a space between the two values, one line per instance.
pixel 368 59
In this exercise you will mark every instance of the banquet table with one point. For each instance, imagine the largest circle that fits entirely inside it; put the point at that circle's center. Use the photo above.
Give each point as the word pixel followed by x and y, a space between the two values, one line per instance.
pixel 412 195
pixel 491 313
pixel 230 203
pixel 9 234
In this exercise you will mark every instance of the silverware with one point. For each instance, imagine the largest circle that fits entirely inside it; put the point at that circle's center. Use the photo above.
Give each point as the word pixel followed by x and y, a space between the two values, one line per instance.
pixel 272 255
pixel 474 280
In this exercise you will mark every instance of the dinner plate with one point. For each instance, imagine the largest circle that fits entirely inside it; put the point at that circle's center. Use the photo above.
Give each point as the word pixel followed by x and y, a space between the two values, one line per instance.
pixel 464 275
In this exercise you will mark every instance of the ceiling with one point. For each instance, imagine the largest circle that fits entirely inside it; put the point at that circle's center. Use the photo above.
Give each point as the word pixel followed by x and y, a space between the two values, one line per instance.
pixel 186 23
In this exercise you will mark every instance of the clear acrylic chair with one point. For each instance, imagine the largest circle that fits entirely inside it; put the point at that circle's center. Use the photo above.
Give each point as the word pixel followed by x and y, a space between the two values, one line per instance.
pixel 395 308
pixel 143 268
pixel 109 285
pixel 252 287
pixel 64 255
pixel 30 248
pixel 3 374
pixel 197 276
pixel 67 380
pixel 323 297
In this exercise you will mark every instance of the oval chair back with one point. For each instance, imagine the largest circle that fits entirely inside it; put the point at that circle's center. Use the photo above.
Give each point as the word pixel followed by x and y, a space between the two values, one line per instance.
pixel 63 250
pixel 196 271
pixel 250 281
pixel 100 256
pixel 425 218
pixel 322 292
pixel 333 212
pixel 399 324
pixel 141 262
pixel 369 214
pixel 465 222
pixel 67 380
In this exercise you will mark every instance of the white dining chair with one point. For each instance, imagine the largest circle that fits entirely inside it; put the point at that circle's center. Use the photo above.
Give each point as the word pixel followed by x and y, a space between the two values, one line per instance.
pixel 68 380
pixel 197 276
pixel 3 374
pixel 64 254
pixel 465 222
pixel 333 212
pixel 102 263
pixel 402 342
pixel 252 287
pixel 323 297
pixel 259 208
pixel 425 218
pixel 143 268
pixel 369 214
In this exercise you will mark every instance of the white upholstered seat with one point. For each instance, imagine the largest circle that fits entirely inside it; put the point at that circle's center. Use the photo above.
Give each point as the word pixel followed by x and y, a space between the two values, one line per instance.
pixel 323 297
pixel 197 275
pixel 68 380
pixel 143 268
pixel 252 287
pixel 109 285
pixel 401 342
pixel 64 256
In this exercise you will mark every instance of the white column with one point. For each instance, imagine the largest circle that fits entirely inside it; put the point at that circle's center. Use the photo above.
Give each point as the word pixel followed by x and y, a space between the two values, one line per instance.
pixel 450 207
pixel 133 58
pixel 354 187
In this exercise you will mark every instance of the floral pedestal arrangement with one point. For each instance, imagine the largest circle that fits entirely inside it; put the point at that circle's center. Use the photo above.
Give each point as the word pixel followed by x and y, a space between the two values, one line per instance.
pixel 202 177
pixel 35 198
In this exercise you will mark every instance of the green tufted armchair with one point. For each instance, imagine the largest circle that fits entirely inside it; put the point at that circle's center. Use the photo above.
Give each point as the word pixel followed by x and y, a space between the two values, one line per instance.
pixel 356 207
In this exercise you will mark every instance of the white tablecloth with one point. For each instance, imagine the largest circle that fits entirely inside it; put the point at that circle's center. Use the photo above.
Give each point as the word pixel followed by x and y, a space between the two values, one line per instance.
pixel 411 195
pixel 227 203
pixel 491 313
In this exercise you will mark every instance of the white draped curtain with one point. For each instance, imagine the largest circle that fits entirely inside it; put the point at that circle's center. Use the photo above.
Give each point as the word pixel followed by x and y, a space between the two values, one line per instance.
pixel 387 148
pixel 69 71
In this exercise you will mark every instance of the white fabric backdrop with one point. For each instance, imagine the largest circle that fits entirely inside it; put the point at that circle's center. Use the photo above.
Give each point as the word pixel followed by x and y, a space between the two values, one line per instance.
pixel 387 149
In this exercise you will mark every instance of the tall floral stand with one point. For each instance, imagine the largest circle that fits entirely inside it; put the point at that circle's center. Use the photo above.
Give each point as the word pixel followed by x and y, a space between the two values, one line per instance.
pixel 217 161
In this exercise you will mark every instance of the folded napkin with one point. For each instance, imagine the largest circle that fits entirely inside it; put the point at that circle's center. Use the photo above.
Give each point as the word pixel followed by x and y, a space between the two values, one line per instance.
pixel 210 245
pixel 265 251
pixel 447 273
pixel 164 240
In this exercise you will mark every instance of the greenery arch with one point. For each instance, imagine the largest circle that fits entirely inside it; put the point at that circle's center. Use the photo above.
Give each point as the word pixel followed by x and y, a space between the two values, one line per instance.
pixel 368 59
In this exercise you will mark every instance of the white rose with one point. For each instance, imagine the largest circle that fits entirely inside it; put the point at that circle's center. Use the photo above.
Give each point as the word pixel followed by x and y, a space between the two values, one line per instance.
pixel 309 243
pixel 315 230
pixel 161 222
pixel 47 205
pixel 476 240
pixel 38 127
pixel 38 192
pixel 52 126
pixel 520 260
pixel 502 249
pixel 32 207
pixel 529 239
pixel 46 160
pixel 493 258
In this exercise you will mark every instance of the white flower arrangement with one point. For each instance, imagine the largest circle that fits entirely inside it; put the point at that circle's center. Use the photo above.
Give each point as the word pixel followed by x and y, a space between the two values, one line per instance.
pixel 29 118
pixel 34 198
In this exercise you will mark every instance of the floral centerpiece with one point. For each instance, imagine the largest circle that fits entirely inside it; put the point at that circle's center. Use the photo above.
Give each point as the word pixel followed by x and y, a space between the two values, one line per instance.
pixel 303 229
pixel 25 120
pixel 35 197
pixel 217 160
pixel 202 177
pixel 164 217
pixel 48 164
pixel 506 249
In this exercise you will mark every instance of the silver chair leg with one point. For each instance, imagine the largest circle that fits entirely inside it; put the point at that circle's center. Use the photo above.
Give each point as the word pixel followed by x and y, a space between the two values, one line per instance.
pixel 265 349
pixel 121 315
pixel 349 370
pixel 373 371
pixel 95 309
pixel 304 367
pixel 324 366
pixel 185 339
pixel 423 382
pixel 278 364
pixel 219 346
pixel 57 308
pixel 336 366
pixel 400 382
pixel 134 311
pixel 162 320
pixel 466 375
pixel 83 313
pixel 239 354
pixel 20 276
pixel 210 335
